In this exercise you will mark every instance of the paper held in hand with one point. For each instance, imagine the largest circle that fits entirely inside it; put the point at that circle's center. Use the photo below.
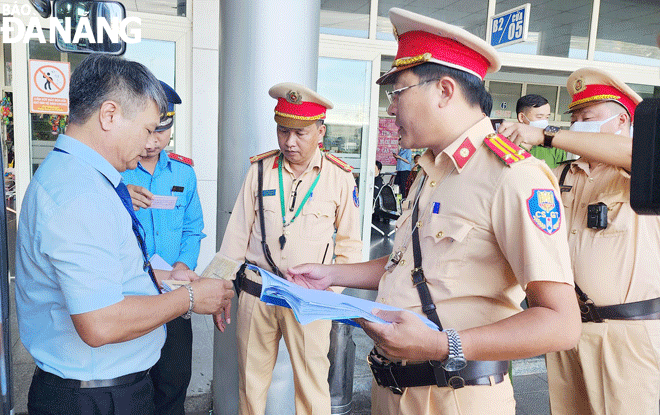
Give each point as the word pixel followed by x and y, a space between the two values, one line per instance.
pixel 310 305
pixel 220 267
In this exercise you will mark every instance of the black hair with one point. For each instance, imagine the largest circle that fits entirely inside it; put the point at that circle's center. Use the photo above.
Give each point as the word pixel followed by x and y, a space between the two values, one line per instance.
pixel 530 101
pixel 472 87
pixel 379 165
pixel 99 78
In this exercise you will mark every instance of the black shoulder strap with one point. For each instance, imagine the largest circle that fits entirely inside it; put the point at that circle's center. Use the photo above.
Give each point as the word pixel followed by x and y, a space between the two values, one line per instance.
pixel 418 278
pixel 260 196
pixel 564 172
pixel 588 304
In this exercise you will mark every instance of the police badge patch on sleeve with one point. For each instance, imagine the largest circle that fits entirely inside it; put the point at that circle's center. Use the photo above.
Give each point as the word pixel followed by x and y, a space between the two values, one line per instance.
pixel 543 209
pixel 356 198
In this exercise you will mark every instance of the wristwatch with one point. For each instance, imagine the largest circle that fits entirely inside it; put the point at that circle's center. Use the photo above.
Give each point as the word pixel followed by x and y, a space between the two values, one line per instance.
pixel 549 133
pixel 455 360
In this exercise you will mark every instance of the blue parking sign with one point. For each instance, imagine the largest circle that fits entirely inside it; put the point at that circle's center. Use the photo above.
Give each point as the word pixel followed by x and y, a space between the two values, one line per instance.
pixel 510 26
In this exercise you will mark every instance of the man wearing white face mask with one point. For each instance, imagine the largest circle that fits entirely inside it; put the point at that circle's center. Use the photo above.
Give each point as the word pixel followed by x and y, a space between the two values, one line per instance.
pixel 534 110
pixel 615 367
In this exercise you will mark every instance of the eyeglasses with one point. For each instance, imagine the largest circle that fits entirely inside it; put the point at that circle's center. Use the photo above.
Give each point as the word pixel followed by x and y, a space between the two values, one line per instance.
pixel 394 95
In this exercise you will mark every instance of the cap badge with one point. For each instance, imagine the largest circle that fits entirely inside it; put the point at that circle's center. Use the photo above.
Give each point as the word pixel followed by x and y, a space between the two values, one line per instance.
pixel 294 97
pixel 579 85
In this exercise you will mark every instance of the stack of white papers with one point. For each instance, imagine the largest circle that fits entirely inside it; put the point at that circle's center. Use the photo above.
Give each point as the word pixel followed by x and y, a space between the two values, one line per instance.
pixel 311 305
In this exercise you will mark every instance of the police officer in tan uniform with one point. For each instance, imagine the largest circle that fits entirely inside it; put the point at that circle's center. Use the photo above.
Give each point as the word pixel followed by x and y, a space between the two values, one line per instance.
pixel 307 196
pixel 467 244
pixel 615 368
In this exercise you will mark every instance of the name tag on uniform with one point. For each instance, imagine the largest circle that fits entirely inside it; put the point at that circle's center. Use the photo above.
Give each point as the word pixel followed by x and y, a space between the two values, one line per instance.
pixel 436 207
pixel 178 189
pixel 270 192
pixel 163 202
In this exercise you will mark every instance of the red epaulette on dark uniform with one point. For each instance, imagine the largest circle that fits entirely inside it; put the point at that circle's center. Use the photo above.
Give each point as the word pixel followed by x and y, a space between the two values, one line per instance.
pixel 178 157
pixel 506 150
pixel 262 156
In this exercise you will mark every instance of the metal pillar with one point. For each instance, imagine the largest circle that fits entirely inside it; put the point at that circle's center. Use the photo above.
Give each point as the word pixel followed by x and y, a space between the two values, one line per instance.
pixel 262 42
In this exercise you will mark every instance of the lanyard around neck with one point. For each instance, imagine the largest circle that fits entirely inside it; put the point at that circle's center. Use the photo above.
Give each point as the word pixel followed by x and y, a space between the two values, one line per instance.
pixel 309 193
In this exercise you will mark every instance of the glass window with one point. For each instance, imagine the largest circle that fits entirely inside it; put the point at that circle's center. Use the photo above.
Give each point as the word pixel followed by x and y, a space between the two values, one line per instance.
pixel 548 92
pixel 44 127
pixel 346 83
pixel 564 100
pixel 645 91
pixel 469 14
pixel 627 31
pixel 345 18
pixel 168 7
pixel 505 96
pixel 158 56
pixel 556 28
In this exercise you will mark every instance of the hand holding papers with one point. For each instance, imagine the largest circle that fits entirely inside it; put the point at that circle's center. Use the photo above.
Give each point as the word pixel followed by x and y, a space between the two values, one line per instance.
pixel 310 305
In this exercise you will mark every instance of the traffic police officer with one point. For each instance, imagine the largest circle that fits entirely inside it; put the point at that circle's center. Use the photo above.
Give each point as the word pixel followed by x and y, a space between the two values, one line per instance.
pixel 615 368
pixel 467 243
pixel 175 235
pixel 306 196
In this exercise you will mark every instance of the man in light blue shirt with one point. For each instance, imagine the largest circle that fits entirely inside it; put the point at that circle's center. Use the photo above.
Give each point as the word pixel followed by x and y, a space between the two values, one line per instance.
pixel 403 167
pixel 88 311
pixel 175 235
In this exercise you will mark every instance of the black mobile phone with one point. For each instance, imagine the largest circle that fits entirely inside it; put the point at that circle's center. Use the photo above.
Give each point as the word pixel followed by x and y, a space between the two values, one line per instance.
pixel 645 172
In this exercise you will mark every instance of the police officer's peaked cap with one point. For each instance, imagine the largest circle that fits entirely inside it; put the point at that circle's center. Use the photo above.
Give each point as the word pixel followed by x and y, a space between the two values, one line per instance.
pixel 422 39
pixel 173 98
pixel 298 106
pixel 589 86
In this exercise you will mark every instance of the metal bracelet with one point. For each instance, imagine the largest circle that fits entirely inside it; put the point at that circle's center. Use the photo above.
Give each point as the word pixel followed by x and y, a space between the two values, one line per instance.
pixel 192 302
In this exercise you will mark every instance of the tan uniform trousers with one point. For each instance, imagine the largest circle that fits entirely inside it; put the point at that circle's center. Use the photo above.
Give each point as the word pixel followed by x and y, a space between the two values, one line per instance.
pixel 614 370
pixel 260 327
pixel 496 399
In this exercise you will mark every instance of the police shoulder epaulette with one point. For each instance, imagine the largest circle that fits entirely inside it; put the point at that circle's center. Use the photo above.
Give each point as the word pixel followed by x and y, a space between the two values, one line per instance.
pixel 182 159
pixel 505 150
pixel 262 156
pixel 339 162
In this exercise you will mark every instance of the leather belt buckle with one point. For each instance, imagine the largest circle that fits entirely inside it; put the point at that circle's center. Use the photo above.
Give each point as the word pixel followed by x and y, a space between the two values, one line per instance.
pixel 456 382
pixel 383 374
pixel 417 276
pixel 589 313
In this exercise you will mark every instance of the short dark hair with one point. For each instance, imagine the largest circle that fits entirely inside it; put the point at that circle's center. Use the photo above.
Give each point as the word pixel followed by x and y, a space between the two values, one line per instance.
pixel 379 165
pixel 530 101
pixel 472 87
pixel 487 104
pixel 99 78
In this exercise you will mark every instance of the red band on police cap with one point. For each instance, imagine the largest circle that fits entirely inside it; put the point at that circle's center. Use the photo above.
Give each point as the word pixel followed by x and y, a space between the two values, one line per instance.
pixel 443 49
pixel 304 110
pixel 593 93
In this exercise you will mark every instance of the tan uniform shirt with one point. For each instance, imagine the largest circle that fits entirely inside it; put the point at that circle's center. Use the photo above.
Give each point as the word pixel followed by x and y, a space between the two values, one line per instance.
pixel 619 264
pixel 480 245
pixel 331 206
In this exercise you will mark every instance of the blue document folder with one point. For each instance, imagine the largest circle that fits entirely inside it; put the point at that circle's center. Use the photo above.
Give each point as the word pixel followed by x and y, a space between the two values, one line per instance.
pixel 310 305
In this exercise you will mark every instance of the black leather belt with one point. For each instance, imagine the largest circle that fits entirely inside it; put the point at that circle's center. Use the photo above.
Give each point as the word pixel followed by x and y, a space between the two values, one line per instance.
pixel 247 285
pixel 397 377
pixel 55 380
pixel 638 310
